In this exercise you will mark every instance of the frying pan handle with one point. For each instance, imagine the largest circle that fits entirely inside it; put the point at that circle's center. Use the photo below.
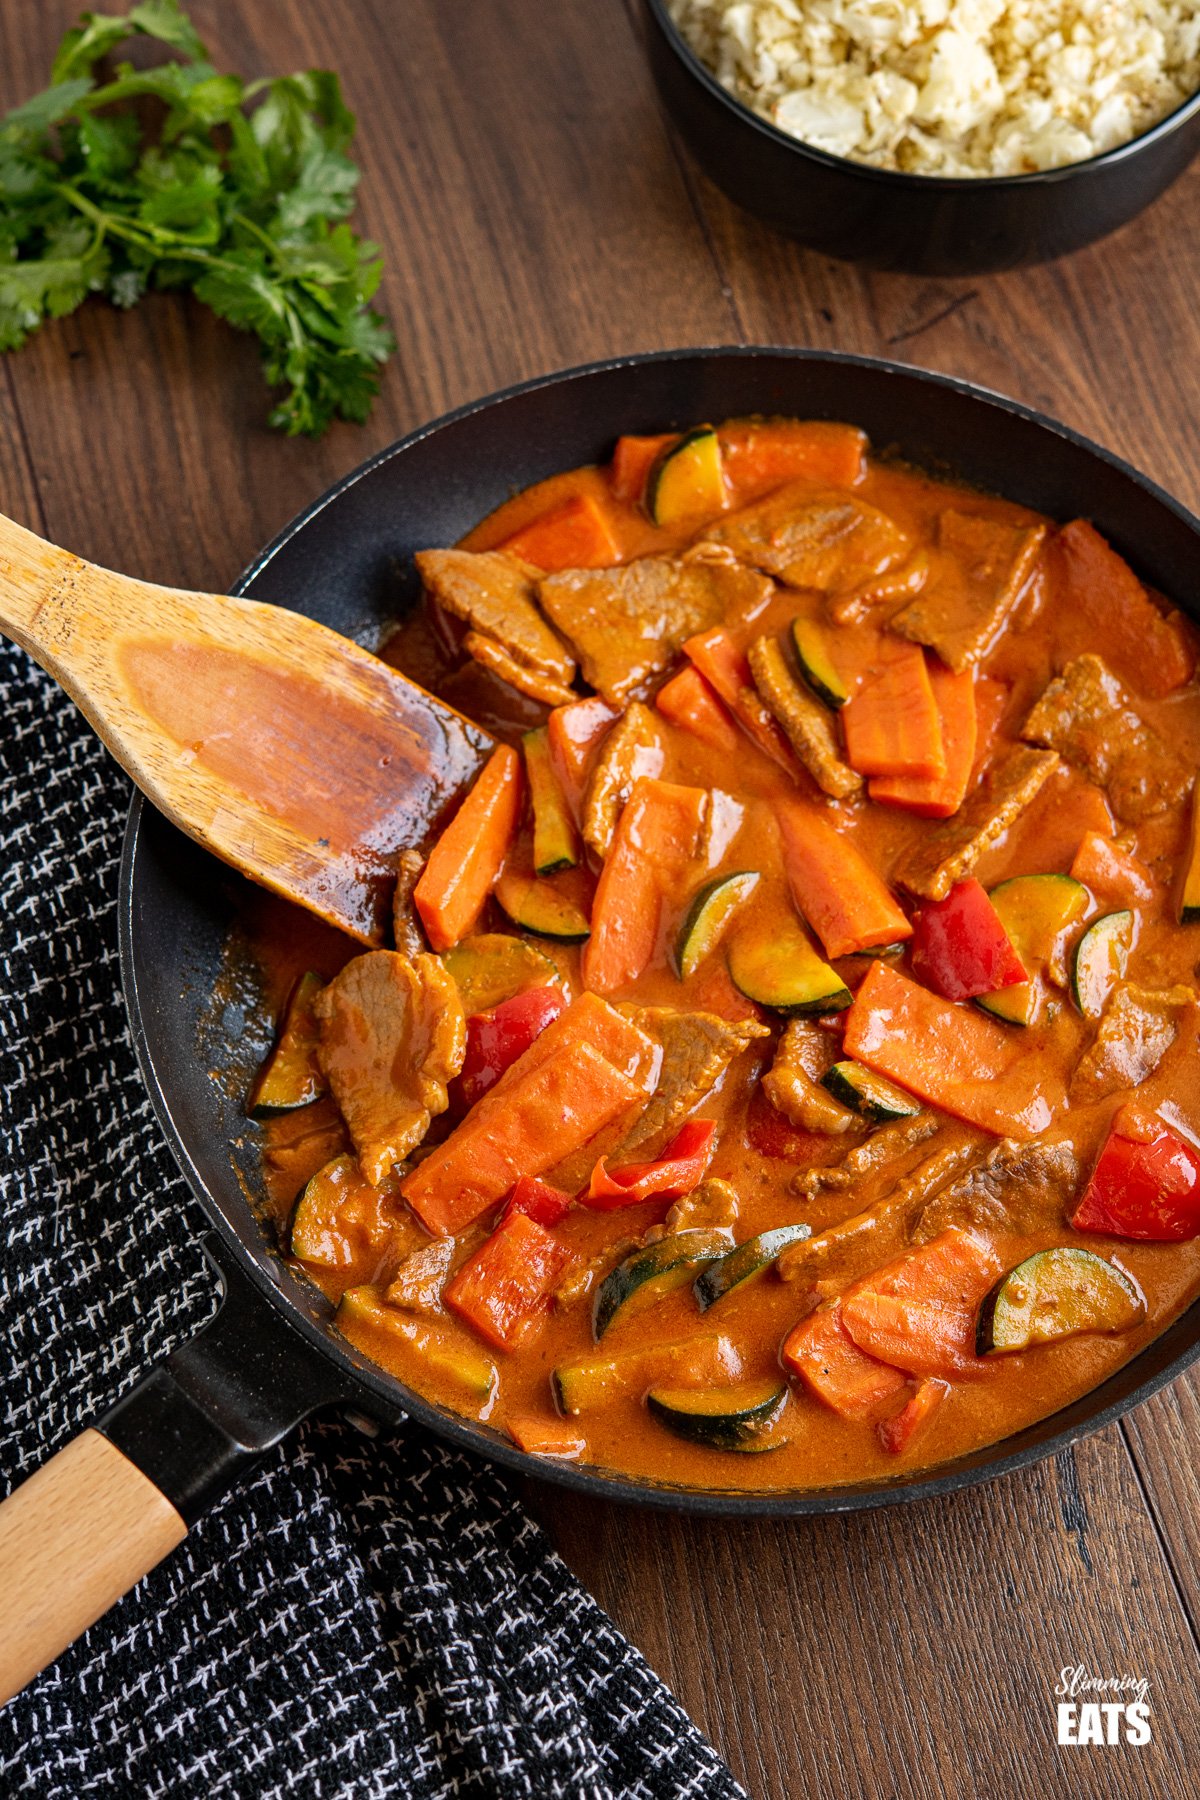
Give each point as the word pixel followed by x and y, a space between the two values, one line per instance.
pixel 104 1510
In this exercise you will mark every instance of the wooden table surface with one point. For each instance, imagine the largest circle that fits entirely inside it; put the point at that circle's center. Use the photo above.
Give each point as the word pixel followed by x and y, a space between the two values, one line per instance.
pixel 536 212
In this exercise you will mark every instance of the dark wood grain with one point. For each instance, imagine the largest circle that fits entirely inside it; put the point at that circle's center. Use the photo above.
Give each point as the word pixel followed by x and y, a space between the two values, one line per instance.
pixel 535 212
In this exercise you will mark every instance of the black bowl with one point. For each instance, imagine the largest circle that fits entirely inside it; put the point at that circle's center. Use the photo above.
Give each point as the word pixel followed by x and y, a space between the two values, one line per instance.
pixel 928 224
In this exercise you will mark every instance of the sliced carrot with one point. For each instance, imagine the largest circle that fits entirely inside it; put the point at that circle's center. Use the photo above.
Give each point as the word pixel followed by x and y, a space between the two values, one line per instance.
pixel 823 1354
pixel 919 1313
pixel 892 725
pixel 576 1077
pixel 1149 651
pixel 689 702
pixel 575 733
pixel 467 859
pixel 898 1432
pixel 1110 872
pixel 544 1437
pixel 932 796
pixel 950 1056
pixel 834 886
pixel 657 837
pixel 631 463
pixel 763 454
pixel 725 668
pixel 504 1288
pixel 575 535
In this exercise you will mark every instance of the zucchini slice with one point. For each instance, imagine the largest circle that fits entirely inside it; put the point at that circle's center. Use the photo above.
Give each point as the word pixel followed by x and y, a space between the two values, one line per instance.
pixel 494 966
pixel 291 1076
pixel 1035 910
pixel 688 480
pixel 744 1262
pixel 535 906
pixel 1057 1294
pixel 869 1094
pixel 1101 959
pixel 777 966
pixel 648 1274
pixel 457 1364
pixel 555 840
pixel 708 915
pixel 330 1214
pixel 599 1380
pixel 816 664
pixel 1189 887
pixel 722 1418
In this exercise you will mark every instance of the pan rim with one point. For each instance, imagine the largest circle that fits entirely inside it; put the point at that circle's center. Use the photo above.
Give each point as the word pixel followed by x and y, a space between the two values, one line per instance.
pixel 384 1396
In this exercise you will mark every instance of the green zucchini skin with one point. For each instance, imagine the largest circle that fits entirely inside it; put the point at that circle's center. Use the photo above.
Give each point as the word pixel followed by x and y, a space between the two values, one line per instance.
pixel 1034 910
pixel 730 1418
pixel 744 1262
pixel 535 906
pixel 1056 1294
pixel 494 966
pixel 784 972
pixel 318 1205
pixel 708 915
pixel 1101 958
pixel 688 479
pixel 1188 907
pixel 816 666
pixel 654 1271
pixel 868 1094
pixel 291 1076
pixel 555 843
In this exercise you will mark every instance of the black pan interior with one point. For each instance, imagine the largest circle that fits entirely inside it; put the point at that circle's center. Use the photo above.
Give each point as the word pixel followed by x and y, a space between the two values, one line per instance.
pixel 347 561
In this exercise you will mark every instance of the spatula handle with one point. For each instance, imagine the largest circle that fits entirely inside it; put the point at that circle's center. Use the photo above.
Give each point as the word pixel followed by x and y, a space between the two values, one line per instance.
pixel 40 586
pixel 77 1535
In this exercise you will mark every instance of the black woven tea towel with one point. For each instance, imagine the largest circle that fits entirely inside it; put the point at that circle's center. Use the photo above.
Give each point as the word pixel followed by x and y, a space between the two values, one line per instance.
pixel 359 1619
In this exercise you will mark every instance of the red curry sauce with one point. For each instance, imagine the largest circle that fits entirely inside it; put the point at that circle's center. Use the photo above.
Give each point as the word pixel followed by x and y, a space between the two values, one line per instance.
pixel 969 1400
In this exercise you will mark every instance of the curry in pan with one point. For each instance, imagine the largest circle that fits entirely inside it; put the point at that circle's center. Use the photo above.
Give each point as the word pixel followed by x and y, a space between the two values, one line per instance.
pixel 786 1070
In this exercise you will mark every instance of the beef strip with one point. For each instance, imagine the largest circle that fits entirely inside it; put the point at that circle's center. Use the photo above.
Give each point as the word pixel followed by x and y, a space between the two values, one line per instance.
pixel 880 592
pixel 879 1230
pixel 712 1205
pixel 627 624
pixel 891 1143
pixel 490 655
pixel 493 593
pixel 697 1048
pixel 1087 716
pixel 418 1282
pixel 813 538
pixel 410 939
pixel 1011 1187
pixel 392 1036
pixel 793 1082
pixel 976 575
pixel 944 855
pixel 1138 1028
pixel 808 724
pixel 633 748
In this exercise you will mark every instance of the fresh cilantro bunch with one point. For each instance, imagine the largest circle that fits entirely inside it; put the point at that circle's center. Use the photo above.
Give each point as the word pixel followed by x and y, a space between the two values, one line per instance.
pixel 180 177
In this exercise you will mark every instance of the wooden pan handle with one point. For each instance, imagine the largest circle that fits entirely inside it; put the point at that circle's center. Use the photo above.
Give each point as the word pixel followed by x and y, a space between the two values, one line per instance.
pixel 76 1536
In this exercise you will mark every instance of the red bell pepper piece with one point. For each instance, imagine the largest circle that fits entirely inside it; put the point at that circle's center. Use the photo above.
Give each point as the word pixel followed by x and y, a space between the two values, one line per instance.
pixel 769 1133
pixel 537 1200
pixel 897 1433
pixel 506 1285
pixel 960 948
pixel 1143 1190
pixel 497 1038
pixel 677 1171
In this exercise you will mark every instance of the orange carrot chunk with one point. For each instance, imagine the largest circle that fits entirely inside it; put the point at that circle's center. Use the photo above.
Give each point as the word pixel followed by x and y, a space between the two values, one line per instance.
pixel 544 1437
pixel 827 1360
pixel 761 455
pixel 1095 584
pixel 467 859
pixel 892 725
pixel 575 733
pixel 726 669
pixel 1110 872
pixel 919 1312
pixel 504 1288
pixel 933 796
pixel 573 1081
pixel 632 461
pixel 898 1432
pixel 834 886
pixel 575 535
pixel 657 837
pixel 950 1056
pixel 689 702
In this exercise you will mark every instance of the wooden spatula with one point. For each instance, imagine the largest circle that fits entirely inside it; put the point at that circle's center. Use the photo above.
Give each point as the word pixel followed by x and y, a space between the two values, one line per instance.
pixel 282 747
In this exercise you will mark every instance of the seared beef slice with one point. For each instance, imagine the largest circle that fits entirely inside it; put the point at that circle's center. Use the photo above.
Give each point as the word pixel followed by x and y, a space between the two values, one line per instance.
pixel 811 538
pixel 976 575
pixel 1086 715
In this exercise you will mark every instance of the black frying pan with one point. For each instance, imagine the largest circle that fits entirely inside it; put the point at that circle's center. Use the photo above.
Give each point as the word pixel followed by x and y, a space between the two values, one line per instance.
pixel 271 1356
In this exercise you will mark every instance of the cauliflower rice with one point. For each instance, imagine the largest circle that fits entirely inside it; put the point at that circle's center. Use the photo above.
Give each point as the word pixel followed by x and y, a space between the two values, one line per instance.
pixel 952 87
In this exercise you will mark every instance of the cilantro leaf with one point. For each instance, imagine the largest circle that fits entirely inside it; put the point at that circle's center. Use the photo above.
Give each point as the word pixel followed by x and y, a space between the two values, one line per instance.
pixel 237 190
